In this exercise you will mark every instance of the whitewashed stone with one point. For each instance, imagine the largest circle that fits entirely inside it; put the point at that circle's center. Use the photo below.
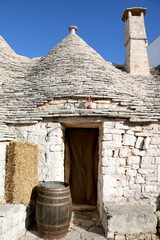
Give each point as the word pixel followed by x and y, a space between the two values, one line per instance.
pixel 143 134
pixel 121 125
pixel 146 142
pixel 120 170
pixel 131 219
pixel 124 152
pixel 133 160
pixel 112 162
pixel 155 140
pixel 121 162
pixel 130 132
pixel 157 160
pixel 128 140
pixel 12 221
pixel 158 171
pixel 110 235
pixel 150 189
pixel 55 148
pixel 108 170
pixel 2 170
pixel 139 142
pixel 139 179
pixel 107 137
pixel 145 171
pixel 137 152
pixel 107 152
pixel 153 152
pixel 131 172
pixel 137 129
pixel 120 237
pixel 116 153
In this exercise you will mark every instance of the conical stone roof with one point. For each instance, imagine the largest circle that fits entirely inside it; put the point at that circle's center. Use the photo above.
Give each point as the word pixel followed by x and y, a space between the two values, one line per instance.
pixel 72 69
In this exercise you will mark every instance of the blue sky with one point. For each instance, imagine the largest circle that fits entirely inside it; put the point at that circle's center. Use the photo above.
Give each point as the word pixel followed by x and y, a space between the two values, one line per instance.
pixel 33 27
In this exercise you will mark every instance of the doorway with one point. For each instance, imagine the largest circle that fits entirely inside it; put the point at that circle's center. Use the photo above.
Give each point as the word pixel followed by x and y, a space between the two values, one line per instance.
pixel 81 164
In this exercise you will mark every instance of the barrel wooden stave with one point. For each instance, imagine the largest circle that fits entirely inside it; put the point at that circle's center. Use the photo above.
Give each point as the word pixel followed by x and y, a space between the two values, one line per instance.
pixel 53 212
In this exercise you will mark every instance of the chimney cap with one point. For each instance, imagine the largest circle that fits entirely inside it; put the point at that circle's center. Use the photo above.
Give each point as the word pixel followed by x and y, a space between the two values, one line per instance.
pixel 73 29
pixel 136 11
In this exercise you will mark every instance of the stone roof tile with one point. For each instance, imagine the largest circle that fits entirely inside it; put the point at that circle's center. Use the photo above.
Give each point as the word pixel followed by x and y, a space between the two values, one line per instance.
pixel 72 69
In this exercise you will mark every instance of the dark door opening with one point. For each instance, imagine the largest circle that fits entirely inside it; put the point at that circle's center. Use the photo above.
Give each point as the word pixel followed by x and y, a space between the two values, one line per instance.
pixel 81 164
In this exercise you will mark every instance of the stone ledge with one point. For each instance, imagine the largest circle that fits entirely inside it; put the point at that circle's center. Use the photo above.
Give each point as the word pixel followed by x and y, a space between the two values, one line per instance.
pixel 130 219
pixel 12 221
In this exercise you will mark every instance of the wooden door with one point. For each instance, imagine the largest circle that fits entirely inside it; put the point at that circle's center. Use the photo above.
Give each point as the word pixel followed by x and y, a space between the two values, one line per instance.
pixel 81 164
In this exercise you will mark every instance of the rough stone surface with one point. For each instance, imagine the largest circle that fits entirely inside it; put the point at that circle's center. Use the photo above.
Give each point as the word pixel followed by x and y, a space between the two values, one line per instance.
pixel 32 89
pixel 12 221
pixel 123 219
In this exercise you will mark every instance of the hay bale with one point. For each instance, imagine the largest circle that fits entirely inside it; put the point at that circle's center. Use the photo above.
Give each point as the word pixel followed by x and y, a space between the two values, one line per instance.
pixel 21 171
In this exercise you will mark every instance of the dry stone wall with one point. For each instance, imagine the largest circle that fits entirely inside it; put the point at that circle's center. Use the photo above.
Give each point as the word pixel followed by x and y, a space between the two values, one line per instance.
pixel 3 146
pixel 130 158
pixel 129 170
pixel 12 221
pixel 49 137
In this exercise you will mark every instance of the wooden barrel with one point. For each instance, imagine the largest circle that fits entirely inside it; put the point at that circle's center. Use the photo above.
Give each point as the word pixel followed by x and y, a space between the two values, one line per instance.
pixel 53 209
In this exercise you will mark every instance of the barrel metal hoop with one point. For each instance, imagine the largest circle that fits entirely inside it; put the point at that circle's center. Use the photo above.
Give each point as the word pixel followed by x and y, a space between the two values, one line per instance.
pixel 51 237
pixel 54 204
pixel 61 231
pixel 54 226
pixel 40 195
pixel 49 190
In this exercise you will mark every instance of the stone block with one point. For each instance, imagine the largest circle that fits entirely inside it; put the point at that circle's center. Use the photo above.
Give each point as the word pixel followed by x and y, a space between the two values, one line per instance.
pixel 137 152
pixel 120 237
pixel 131 219
pixel 124 152
pixel 146 142
pixel 131 172
pixel 155 140
pixel 158 171
pixel 150 189
pixel 129 140
pixel 139 142
pixel 133 160
pixel 120 125
pixel 108 170
pixel 55 148
pixel 139 179
pixel 145 171
pixel 110 235
pixel 107 137
pixel 158 160
pixel 107 152
pixel 153 152
pixel 120 170
pixel 12 221
pixel 130 132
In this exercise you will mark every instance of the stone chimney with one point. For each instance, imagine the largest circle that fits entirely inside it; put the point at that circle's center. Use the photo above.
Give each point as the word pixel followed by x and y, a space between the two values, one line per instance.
pixel 135 41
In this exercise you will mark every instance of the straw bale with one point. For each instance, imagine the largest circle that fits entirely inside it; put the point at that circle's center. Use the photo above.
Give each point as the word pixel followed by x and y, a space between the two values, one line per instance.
pixel 21 172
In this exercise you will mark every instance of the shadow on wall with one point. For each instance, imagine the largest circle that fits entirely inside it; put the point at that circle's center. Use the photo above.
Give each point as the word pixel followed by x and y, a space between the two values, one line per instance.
pixel 158 214
pixel 158 203
pixel 31 208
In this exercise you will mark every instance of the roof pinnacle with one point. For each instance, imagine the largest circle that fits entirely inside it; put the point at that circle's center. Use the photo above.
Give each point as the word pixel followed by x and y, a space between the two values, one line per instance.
pixel 73 29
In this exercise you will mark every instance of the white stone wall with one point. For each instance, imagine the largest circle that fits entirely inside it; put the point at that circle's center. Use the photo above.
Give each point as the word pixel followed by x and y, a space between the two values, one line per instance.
pixel 12 221
pixel 130 158
pixel 2 170
pixel 49 137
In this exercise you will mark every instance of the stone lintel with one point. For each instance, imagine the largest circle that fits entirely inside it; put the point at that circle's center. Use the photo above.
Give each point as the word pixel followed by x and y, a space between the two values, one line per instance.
pixel 136 11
